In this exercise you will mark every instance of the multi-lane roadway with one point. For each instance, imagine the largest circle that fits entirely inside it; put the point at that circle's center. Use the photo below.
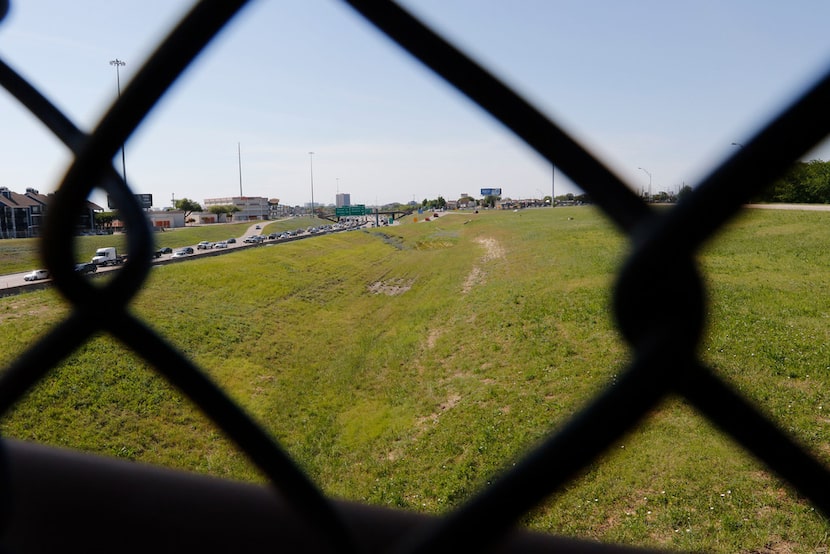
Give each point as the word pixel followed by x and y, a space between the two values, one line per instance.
pixel 14 281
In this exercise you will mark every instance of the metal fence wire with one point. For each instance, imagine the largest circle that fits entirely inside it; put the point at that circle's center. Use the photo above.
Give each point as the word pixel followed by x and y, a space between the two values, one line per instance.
pixel 94 504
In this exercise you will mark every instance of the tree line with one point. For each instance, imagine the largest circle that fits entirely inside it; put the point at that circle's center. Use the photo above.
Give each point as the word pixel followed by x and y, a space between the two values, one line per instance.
pixel 805 183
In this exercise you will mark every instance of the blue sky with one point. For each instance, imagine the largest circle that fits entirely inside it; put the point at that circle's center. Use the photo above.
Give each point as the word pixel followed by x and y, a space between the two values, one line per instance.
pixel 663 85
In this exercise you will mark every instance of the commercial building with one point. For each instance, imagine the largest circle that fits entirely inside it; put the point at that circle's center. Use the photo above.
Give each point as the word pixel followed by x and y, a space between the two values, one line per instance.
pixel 166 219
pixel 343 199
pixel 250 207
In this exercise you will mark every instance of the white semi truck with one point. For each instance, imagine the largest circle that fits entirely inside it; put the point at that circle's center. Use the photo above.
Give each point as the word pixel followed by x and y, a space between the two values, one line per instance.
pixel 107 256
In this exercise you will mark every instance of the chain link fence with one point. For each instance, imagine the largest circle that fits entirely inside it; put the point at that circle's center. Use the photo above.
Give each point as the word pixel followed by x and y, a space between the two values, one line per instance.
pixel 77 494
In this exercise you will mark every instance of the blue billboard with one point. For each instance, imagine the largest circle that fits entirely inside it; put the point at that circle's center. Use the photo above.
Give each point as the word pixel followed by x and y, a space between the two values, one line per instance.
pixel 491 192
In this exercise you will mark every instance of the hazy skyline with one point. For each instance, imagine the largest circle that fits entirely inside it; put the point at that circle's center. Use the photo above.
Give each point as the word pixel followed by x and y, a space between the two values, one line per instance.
pixel 663 86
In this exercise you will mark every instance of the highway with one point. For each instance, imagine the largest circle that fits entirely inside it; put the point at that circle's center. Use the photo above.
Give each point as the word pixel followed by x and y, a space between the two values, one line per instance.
pixel 13 283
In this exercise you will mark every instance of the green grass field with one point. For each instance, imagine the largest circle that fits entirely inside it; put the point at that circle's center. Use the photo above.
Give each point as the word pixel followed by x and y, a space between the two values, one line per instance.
pixel 406 366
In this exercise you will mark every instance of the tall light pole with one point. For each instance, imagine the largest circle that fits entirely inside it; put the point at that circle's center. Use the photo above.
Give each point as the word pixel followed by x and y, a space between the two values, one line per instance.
pixel 552 184
pixel 239 159
pixel 118 63
pixel 311 169
pixel 649 181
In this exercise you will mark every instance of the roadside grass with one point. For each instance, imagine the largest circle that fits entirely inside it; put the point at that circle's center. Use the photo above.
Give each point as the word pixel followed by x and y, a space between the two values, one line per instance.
pixel 407 366
pixel 18 255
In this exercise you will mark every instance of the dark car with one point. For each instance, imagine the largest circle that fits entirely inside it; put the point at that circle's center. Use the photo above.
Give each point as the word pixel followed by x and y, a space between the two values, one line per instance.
pixel 165 250
pixel 231 241
pixel 85 268
pixel 188 249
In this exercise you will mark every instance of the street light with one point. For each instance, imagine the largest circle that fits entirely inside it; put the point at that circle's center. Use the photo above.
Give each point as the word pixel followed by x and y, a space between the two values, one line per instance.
pixel 649 181
pixel 118 63
pixel 311 169
pixel 239 160
pixel 552 184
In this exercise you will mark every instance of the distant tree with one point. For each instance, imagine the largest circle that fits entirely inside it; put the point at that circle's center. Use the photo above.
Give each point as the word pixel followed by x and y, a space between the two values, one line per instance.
pixel 435 203
pixel 188 206
pixel 685 191
pixel 103 220
pixel 490 200
pixel 805 182
pixel 226 209
pixel 816 182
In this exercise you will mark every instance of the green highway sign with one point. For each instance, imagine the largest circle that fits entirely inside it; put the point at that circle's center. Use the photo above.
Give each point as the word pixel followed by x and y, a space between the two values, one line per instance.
pixel 358 209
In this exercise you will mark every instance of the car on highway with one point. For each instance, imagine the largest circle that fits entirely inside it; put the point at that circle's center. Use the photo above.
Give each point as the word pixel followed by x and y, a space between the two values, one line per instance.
pixel 180 253
pixel 165 250
pixel 85 268
pixel 36 275
pixel 221 244
pixel 231 241
pixel 204 245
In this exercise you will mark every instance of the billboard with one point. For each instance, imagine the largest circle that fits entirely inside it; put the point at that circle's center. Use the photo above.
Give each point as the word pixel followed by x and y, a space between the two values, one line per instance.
pixel 491 192
pixel 145 201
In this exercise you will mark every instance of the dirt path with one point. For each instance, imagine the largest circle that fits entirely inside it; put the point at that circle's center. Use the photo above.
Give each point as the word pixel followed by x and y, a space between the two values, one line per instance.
pixel 492 251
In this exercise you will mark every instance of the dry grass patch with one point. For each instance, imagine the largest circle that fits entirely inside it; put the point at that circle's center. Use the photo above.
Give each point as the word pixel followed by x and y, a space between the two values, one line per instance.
pixel 391 287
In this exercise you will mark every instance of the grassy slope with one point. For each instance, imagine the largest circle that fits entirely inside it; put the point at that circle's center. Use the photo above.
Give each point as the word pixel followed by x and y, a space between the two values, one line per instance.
pixel 406 366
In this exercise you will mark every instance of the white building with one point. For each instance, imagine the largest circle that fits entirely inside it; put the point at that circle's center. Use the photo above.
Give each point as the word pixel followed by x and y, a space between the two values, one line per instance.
pixel 166 219
pixel 250 207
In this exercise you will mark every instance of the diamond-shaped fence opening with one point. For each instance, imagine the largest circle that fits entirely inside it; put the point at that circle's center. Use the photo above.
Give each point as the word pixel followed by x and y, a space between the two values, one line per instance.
pixel 95 505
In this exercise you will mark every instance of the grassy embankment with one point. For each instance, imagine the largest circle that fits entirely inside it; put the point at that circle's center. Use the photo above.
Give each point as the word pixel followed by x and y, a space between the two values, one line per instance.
pixel 407 366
